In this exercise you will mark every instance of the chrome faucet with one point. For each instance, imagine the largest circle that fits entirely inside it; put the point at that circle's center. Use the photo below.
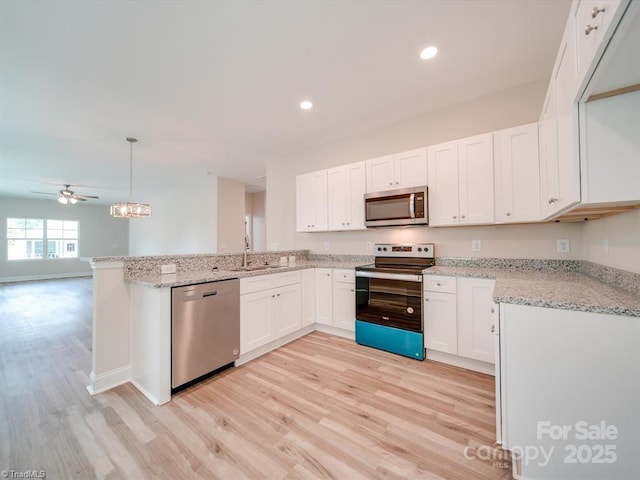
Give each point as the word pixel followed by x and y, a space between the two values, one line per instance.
pixel 246 249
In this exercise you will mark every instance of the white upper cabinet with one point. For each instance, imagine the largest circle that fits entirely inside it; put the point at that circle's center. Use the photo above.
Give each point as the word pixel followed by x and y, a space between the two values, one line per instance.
pixel 475 160
pixel 517 174
pixel 443 184
pixel 461 182
pixel 400 170
pixel 346 187
pixel 560 166
pixel 312 202
pixel 593 19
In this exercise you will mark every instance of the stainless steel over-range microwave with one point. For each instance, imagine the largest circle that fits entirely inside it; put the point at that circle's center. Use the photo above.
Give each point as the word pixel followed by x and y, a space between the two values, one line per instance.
pixel 396 208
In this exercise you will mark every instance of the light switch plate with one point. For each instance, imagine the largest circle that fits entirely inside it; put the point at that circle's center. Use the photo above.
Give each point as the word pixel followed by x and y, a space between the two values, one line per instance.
pixel 476 245
pixel 166 269
pixel 327 246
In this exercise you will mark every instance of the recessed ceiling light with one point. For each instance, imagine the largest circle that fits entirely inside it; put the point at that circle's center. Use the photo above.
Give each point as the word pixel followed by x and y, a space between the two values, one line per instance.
pixel 428 53
pixel 306 105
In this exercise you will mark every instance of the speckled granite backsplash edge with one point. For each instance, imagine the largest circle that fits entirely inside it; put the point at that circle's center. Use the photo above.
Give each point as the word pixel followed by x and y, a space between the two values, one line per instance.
pixel 134 266
pixel 622 279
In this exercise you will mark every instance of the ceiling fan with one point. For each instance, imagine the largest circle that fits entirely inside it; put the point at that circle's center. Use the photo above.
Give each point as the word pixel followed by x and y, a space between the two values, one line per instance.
pixel 66 196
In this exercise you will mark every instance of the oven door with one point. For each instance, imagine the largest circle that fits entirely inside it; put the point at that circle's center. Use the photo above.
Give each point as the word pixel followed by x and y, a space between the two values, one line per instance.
pixel 393 300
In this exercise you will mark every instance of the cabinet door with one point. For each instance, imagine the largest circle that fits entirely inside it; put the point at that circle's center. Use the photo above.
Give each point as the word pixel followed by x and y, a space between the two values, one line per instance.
pixel 567 125
pixel 344 305
pixel 517 174
pixel 256 320
pixel 475 318
pixel 308 296
pixel 410 168
pixel 338 198
pixel 324 304
pixel 443 184
pixel 380 176
pixel 440 322
pixel 356 188
pixel 304 203
pixel 548 154
pixel 346 186
pixel 476 192
pixel 319 201
pixel 287 311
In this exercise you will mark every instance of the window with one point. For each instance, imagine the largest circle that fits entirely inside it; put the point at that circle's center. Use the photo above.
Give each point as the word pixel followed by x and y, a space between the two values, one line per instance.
pixel 26 238
pixel 62 239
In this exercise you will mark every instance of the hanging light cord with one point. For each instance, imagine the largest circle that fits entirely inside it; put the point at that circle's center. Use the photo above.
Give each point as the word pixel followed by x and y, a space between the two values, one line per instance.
pixel 131 142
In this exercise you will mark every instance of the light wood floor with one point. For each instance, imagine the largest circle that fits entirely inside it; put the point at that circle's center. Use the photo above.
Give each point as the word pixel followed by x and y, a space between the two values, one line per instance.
pixel 320 407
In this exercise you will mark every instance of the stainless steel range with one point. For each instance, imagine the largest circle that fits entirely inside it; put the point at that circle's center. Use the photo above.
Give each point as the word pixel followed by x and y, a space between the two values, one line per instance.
pixel 389 304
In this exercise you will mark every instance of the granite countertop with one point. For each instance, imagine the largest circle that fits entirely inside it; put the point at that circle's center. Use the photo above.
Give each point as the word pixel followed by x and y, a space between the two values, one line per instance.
pixel 155 280
pixel 551 289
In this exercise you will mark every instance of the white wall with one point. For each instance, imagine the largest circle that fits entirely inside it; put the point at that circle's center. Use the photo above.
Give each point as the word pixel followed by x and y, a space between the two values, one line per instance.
pixel 501 110
pixel 231 211
pixel 99 235
pixel 623 235
pixel 183 220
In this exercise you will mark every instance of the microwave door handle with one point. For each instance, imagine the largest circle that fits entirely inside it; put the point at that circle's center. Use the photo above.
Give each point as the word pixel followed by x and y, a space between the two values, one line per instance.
pixel 412 205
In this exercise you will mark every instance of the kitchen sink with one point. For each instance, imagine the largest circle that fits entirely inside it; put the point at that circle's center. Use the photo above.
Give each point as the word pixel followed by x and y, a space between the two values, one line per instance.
pixel 252 268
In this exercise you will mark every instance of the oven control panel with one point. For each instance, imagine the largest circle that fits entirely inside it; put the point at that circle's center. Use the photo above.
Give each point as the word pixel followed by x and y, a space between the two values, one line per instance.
pixel 423 250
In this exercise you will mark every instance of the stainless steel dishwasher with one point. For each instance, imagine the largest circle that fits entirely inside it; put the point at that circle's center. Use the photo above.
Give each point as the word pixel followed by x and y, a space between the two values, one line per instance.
pixel 205 329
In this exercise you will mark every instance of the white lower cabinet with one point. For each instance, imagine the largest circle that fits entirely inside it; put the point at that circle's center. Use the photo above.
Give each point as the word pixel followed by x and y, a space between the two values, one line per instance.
pixel 460 317
pixel 440 314
pixel 344 299
pixel 271 313
pixel 476 319
pixel 569 388
pixel 324 295
pixel 308 296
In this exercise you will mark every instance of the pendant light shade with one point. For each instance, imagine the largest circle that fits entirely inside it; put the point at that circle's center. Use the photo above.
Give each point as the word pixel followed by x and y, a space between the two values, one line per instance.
pixel 130 209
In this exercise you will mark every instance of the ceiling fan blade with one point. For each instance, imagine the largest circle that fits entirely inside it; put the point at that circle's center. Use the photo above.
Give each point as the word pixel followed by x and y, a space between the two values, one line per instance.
pixel 85 197
pixel 44 193
pixel 82 199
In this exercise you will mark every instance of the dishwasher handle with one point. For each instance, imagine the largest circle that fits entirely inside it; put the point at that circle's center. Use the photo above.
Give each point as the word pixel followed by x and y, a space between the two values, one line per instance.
pixel 210 294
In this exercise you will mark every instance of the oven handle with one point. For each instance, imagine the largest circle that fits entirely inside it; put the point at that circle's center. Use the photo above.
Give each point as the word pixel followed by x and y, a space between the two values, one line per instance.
pixel 390 276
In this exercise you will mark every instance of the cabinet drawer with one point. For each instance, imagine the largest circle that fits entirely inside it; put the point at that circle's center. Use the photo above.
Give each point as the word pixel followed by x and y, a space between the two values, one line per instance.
pixel 344 276
pixel 256 284
pixel 286 278
pixel 435 283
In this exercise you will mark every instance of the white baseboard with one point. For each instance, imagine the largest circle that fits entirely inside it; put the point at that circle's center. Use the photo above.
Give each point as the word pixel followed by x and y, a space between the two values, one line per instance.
pixel 462 362
pixel 107 381
pixel 50 276
pixel 258 352
pixel 338 332
pixel 147 394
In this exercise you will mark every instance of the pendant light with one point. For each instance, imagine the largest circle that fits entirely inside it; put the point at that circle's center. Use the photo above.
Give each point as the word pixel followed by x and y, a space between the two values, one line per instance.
pixel 130 209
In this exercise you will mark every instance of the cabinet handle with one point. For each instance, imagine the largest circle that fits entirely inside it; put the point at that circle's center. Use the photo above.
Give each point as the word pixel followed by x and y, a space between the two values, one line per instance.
pixel 596 11
pixel 426 299
pixel 493 328
pixel 273 296
pixel 391 183
pixel 508 214
pixel 397 183
pixel 552 200
pixel 493 310
pixel 589 28
pixel 277 295
pixel 463 216
pixel 454 217
pixel 352 290
pixel 438 284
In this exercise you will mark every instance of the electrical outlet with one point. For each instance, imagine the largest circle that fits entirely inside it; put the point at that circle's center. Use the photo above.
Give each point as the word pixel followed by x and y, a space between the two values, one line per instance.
pixel 369 246
pixel 166 269
pixel 605 247
pixel 327 245
pixel 563 245
pixel 476 245
pixel 274 246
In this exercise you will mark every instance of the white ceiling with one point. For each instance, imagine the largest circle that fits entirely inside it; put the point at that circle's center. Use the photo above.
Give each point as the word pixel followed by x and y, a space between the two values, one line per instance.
pixel 214 86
